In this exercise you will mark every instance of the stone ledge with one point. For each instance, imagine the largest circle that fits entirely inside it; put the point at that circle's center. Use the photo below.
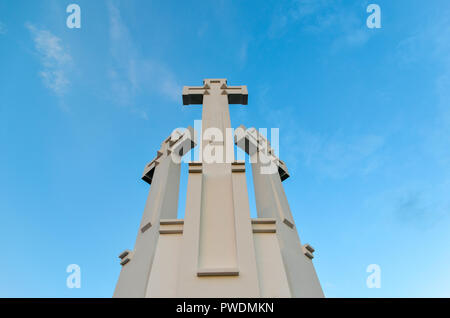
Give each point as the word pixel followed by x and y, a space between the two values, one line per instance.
pixel 217 272
pixel 308 250
pixel 288 223
pixel 171 226
pixel 146 227
pixel 125 257
pixel 195 167
pixel 238 166
pixel 264 225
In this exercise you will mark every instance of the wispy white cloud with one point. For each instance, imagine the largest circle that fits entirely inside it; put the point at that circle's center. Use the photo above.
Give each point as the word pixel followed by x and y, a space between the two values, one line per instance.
pixel 317 16
pixel 417 204
pixel 410 206
pixel 3 29
pixel 131 73
pixel 338 155
pixel 333 155
pixel 243 52
pixel 55 59
pixel 294 12
pixel 409 50
pixel 425 46
pixel 202 29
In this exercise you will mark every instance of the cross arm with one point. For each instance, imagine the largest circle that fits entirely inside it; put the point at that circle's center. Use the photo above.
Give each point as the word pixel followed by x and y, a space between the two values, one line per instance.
pixel 251 141
pixel 236 94
pixel 193 95
pixel 179 142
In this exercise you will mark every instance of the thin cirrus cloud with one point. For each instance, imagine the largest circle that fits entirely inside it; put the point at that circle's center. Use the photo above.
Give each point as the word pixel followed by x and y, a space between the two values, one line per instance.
pixel 317 16
pixel 334 155
pixel 55 59
pixel 425 46
pixel 338 156
pixel 2 28
pixel 131 73
pixel 418 204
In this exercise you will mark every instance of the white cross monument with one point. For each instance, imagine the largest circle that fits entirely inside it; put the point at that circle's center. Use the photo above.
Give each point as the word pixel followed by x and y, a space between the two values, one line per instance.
pixel 217 250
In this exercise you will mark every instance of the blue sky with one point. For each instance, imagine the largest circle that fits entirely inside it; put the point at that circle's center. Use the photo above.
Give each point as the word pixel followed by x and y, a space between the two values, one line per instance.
pixel 363 114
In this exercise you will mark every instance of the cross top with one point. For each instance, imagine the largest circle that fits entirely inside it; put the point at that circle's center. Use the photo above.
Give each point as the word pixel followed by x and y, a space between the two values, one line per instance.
pixel 215 82
pixel 193 95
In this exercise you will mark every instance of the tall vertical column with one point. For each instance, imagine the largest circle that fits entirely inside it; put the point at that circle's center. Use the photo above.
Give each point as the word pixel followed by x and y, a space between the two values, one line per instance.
pixel 271 202
pixel 216 206
pixel 217 212
pixel 163 173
